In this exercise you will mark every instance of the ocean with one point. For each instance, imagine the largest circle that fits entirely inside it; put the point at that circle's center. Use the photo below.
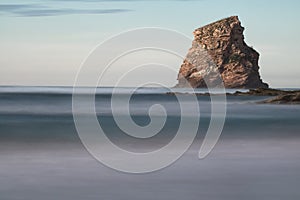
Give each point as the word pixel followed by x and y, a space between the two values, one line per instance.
pixel 42 157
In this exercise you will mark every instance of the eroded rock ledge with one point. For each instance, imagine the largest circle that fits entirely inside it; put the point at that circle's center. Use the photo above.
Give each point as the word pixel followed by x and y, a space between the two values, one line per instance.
pixel 277 96
pixel 236 62
pixel 281 96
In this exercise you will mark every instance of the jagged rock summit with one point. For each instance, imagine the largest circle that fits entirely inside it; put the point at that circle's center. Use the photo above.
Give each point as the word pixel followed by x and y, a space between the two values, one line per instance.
pixel 221 43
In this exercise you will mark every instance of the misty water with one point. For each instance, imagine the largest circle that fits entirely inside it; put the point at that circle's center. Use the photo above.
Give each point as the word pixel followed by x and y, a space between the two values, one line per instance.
pixel 42 157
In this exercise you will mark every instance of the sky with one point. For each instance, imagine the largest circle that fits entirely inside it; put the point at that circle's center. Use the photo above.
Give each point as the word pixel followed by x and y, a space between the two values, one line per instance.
pixel 44 42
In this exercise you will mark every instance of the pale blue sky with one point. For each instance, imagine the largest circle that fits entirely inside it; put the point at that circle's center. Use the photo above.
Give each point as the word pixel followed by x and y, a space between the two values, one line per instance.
pixel 44 42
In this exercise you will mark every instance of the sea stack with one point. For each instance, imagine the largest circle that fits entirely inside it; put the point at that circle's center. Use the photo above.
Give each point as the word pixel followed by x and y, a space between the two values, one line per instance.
pixel 236 62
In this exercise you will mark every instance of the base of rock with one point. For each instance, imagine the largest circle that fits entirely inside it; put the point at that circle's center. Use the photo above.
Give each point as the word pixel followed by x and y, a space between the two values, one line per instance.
pixel 281 96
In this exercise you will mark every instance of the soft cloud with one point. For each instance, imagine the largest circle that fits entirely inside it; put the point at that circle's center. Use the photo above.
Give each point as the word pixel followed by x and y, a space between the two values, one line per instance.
pixel 31 10
pixel 56 12
pixel 14 7
pixel 120 0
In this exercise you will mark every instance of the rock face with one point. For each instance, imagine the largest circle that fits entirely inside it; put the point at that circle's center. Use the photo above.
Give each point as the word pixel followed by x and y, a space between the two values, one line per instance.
pixel 219 52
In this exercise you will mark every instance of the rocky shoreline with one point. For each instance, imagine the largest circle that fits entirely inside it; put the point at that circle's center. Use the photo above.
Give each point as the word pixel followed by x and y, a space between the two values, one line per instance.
pixel 277 96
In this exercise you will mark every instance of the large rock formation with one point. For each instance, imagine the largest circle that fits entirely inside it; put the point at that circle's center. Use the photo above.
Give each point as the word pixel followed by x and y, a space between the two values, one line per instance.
pixel 219 52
